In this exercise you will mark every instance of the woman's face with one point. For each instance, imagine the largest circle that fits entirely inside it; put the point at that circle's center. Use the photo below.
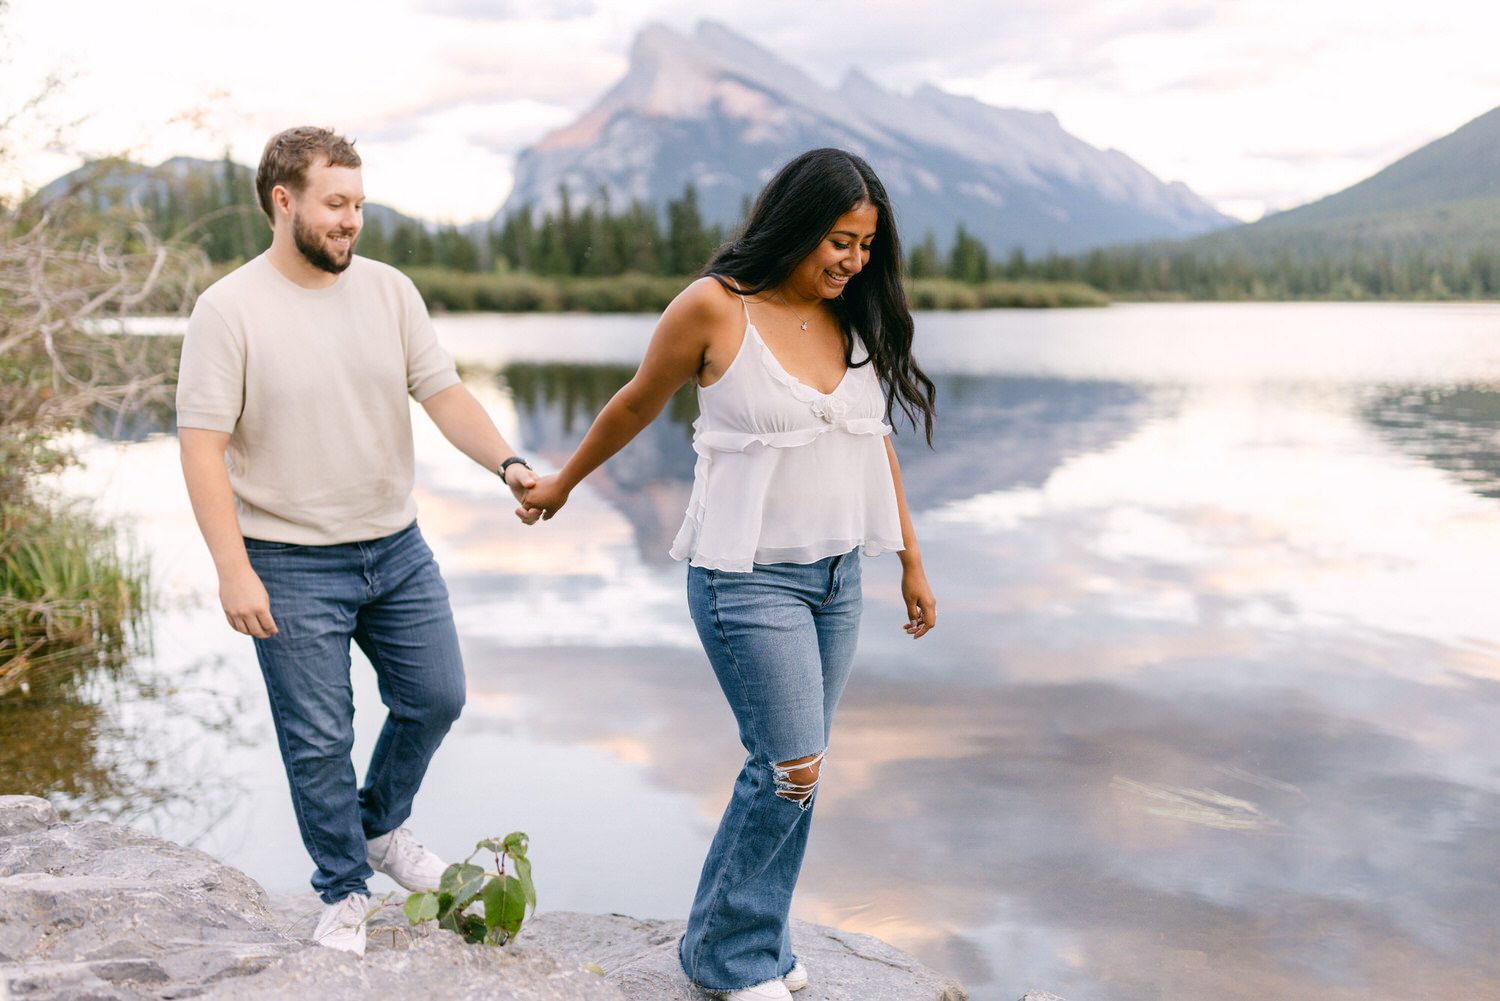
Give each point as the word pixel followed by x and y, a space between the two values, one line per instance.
pixel 843 252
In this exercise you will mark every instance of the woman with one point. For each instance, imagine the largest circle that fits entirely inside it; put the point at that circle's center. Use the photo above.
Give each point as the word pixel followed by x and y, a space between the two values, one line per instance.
pixel 799 337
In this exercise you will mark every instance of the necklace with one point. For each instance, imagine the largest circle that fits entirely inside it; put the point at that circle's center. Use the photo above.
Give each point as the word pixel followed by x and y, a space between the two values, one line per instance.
pixel 789 306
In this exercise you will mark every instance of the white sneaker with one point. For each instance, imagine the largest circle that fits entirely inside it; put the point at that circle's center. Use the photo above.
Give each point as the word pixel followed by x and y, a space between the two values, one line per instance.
pixel 342 925
pixel 400 856
pixel 796 977
pixel 770 990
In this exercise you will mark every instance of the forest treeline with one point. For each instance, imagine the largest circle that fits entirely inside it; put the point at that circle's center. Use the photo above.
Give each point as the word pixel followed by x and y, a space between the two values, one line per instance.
pixel 590 258
pixel 1380 272
pixel 521 262
pixel 216 210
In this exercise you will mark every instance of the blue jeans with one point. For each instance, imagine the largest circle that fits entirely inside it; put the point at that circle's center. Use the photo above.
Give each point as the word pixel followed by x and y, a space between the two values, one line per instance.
pixel 387 596
pixel 781 641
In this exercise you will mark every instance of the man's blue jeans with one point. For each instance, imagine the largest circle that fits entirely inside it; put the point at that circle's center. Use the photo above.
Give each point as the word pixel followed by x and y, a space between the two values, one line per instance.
pixel 781 641
pixel 388 596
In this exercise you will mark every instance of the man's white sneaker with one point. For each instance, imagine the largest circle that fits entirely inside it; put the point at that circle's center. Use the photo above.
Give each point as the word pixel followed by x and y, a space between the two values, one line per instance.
pixel 342 925
pixel 795 978
pixel 770 990
pixel 399 855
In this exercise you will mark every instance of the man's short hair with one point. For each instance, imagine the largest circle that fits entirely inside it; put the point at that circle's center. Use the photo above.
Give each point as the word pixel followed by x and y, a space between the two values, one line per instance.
pixel 289 154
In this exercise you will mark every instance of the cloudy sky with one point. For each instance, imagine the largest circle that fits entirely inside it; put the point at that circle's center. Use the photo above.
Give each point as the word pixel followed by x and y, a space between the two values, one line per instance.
pixel 1255 104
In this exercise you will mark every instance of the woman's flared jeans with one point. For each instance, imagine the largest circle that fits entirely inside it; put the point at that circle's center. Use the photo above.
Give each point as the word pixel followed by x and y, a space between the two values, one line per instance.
pixel 781 641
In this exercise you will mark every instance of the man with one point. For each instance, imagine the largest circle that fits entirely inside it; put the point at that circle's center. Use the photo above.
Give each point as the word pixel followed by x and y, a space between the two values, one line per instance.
pixel 296 442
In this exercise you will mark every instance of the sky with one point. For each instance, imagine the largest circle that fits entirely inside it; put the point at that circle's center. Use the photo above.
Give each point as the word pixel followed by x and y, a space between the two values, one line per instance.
pixel 1257 105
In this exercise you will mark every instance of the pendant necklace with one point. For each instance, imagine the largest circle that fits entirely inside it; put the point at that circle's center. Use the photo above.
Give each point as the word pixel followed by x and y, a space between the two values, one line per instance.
pixel 789 306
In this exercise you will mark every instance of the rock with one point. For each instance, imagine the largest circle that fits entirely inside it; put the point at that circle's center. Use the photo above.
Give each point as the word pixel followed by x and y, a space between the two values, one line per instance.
pixel 437 965
pixel 101 912
pixel 20 814
pixel 640 958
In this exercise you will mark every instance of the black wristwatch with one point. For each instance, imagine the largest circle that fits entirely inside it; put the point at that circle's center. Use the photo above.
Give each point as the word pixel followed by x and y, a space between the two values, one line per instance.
pixel 511 462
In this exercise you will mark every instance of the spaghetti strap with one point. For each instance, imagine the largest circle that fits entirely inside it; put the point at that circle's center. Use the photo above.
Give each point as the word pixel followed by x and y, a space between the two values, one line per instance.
pixel 743 304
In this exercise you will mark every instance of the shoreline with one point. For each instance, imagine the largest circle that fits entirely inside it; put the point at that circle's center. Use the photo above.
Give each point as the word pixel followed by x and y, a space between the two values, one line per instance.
pixel 103 911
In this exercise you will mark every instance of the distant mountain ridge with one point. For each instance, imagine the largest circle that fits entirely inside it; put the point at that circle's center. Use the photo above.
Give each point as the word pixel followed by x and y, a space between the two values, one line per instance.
pixel 719 112
pixel 1462 166
pixel 109 183
pixel 1444 197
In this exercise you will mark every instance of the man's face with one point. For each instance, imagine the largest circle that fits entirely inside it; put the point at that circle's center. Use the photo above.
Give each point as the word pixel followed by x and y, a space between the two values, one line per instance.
pixel 328 215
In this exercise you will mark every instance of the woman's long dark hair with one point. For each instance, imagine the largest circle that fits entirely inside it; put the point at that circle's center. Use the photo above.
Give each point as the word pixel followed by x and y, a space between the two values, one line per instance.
pixel 791 216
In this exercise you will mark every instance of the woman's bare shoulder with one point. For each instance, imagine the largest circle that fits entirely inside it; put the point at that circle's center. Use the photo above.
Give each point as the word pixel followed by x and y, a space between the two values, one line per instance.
pixel 706 301
pixel 707 320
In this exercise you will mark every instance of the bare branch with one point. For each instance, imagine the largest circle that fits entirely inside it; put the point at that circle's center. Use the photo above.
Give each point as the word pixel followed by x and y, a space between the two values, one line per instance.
pixel 56 298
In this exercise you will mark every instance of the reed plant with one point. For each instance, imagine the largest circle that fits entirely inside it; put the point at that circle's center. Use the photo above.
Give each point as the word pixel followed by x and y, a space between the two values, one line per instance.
pixel 69 599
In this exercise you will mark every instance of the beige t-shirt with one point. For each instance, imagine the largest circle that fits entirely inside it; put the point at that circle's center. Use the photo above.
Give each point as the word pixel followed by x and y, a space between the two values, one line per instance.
pixel 312 385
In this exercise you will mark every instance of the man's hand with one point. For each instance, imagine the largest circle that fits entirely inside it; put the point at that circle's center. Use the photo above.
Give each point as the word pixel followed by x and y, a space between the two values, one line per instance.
pixel 520 479
pixel 246 604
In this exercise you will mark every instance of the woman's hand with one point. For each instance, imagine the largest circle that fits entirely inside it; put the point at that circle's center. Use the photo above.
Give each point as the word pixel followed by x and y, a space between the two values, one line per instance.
pixel 546 496
pixel 921 605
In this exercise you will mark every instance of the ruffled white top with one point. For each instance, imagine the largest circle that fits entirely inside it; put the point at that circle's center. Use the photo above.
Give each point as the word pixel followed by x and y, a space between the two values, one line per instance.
pixel 786 474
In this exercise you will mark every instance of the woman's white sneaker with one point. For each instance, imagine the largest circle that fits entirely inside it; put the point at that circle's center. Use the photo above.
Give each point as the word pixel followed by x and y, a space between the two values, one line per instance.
pixel 796 977
pixel 770 990
pixel 342 925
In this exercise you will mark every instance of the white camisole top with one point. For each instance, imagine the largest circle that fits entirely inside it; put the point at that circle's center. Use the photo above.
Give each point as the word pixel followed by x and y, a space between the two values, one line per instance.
pixel 786 474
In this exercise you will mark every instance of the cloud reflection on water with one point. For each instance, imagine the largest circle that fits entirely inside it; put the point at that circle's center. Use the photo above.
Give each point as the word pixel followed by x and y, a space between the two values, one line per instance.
pixel 1272 587
pixel 1242 593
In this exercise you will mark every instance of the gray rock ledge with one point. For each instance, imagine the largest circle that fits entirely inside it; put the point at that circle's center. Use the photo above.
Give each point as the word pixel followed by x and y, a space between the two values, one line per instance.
pixel 101 912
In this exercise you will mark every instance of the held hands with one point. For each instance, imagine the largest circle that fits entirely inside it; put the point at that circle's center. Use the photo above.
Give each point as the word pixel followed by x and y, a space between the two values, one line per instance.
pixel 921 605
pixel 546 496
pixel 520 480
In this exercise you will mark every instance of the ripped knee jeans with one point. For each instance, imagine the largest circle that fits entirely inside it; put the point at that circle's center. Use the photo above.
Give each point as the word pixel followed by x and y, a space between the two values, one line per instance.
pixel 781 642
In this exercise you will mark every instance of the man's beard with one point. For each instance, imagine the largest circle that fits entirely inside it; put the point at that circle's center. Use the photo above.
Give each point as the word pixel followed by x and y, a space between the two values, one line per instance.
pixel 310 243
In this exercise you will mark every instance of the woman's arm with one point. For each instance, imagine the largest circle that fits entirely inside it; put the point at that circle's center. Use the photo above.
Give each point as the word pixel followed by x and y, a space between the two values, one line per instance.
pixel 921 605
pixel 680 348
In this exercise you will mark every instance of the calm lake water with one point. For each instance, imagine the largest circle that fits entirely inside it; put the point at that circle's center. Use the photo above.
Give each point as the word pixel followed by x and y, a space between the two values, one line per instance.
pixel 1210 711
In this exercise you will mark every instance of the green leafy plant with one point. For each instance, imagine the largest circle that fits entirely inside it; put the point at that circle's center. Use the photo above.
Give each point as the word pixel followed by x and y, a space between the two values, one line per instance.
pixel 506 899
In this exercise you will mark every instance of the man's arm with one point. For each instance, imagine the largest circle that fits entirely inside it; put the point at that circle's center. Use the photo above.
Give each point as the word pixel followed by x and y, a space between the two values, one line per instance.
pixel 246 604
pixel 464 422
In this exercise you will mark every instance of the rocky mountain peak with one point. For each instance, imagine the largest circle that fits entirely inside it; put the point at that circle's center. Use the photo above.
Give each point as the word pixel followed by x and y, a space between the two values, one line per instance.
pixel 718 111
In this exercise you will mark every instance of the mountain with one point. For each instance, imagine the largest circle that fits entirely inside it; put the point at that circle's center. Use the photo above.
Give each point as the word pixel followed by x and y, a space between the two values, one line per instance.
pixel 1444 197
pixel 105 184
pixel 114 182
pixel 209 202
pixel 719 112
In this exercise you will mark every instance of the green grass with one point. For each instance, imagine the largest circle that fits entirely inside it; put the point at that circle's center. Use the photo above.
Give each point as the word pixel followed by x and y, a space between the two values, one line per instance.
pixel 519 292
pixel 945 293
pixel 68 599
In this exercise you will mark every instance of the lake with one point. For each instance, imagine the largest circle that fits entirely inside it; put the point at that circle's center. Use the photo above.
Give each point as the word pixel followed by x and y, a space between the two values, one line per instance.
pixel 1210 710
